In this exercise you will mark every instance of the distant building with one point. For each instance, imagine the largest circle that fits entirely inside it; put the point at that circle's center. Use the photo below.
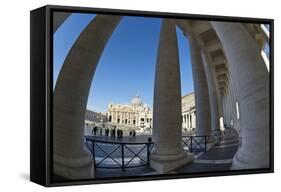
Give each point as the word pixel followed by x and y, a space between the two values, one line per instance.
pixel 92 117
pixel 188 112
pixel 135 114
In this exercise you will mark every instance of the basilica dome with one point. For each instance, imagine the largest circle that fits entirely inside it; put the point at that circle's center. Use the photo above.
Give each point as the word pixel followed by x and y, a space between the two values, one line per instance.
pixel 136 101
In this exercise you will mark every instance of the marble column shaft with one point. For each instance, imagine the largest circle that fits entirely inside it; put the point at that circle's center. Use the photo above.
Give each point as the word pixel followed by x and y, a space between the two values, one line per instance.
pixel 212 94
pixel 247 68
pixel 71 95
pixel 167 93
pixel 228 105
pixel 168 152
pixel 232 104
pixel 202 104
pixel 234 98
pixel 226 117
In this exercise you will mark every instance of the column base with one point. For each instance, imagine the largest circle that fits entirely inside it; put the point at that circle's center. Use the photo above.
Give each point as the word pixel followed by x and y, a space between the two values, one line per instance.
pixel 74 168
pixel 212 142
pixel 165 163
pixel 216 133
pixel 248 162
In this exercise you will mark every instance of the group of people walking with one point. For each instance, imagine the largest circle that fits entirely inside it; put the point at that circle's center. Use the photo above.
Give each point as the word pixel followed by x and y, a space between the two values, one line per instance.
pixel 113 132
pixel 132 133
pixel 97 130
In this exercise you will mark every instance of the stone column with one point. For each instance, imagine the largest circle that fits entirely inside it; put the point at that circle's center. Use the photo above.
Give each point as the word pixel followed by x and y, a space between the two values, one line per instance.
pixel 212 95
pixel 187 123
pixel 184 121
pixel 228 105
pixel 234 116
pixel 247 68
pixel 202 105
pixel 194 120
pixel 190 120
pixel 59 18
pixel 234 96
pixel 168 153
pixel 70 159
pixel 265 32
pixel 224 109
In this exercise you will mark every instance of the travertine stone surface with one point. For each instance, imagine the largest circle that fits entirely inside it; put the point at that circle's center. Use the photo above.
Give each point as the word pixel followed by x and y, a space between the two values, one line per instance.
pixel 215 124
pixel 59 18
pixel 168 153
pixel 203 116
pixel 70 98
pixel 248 69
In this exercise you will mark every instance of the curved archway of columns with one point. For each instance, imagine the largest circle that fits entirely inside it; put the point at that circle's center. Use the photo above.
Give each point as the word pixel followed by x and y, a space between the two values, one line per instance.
pixel 70 160
pixel 70 96
pixel 248 71
pixel 226 84
pixel 76 163
pixel 260 34
pixel 206 91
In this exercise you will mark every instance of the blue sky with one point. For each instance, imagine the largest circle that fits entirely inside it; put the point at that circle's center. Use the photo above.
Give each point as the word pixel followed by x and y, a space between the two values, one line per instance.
pixel 127 65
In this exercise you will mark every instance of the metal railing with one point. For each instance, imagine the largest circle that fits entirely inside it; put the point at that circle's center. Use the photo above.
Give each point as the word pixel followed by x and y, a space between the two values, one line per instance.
pixel 114 154
pixel 195 143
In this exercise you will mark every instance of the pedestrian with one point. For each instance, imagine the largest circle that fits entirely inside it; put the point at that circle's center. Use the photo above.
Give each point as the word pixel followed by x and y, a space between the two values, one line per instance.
pixel 114 132
pixel 111 132
pixel 100 131
pixel 119 133
pixel 92 130
pixel 95 130
pixel 106 132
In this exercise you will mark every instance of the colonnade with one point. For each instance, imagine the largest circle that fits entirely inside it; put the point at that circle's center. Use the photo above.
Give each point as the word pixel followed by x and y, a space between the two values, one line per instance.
pixel 244 66
pixel 188 120
pixel 248 69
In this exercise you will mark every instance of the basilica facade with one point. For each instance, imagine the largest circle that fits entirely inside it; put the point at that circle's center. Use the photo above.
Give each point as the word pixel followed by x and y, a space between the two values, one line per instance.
pixel 135 114
pixel 139 114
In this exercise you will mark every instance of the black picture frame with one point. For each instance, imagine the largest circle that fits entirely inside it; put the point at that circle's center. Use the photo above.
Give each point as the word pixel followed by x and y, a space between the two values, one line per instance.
pixel 41 89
